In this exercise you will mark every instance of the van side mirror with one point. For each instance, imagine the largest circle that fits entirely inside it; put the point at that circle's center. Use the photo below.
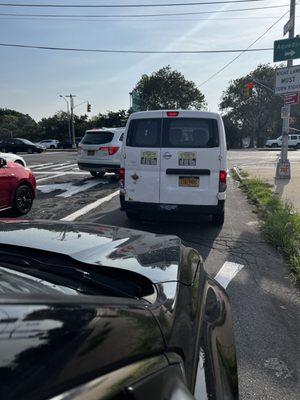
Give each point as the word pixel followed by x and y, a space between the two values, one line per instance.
pixel 2 162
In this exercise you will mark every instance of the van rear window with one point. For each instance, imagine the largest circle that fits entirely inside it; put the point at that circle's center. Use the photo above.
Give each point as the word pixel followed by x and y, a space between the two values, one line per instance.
pixel 97 137
pixel 144 133
pixel 190 132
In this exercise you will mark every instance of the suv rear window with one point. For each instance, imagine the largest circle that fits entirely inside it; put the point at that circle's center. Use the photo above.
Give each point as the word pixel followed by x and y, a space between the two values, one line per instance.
pixel 144 133
pixel 190 132
pixel 97 137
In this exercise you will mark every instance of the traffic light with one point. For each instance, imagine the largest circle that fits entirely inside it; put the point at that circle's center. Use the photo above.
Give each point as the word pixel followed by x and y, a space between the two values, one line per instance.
pixel 245 91
pixel 250 87
pixel 88 107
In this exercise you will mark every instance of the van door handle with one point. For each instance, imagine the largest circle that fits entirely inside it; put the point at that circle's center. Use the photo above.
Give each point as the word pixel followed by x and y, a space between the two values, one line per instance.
pixel 167 156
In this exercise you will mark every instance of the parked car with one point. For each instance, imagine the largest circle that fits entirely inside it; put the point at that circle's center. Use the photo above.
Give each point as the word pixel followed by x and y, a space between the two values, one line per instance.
pixel 100 150
pixel 68 144
pixel 99 312
pixel 49 143
pixel 17 145
pixel 294 141
pixel 174 161
pixel 14 158
pixel 17 188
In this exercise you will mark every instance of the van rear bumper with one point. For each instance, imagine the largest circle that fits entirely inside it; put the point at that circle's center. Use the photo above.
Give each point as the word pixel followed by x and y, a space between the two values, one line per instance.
pixel 154 208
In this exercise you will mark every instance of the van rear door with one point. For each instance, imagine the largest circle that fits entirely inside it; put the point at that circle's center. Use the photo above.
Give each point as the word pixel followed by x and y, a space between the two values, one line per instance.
pixel 190 159
pixel 142 157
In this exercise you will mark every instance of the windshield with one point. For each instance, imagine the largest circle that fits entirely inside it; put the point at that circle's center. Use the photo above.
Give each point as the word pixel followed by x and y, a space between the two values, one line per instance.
pixel 97 137
pixel 26 141
pixel 190 132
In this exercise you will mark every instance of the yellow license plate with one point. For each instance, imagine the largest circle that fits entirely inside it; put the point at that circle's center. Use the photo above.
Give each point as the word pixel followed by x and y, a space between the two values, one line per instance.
pixel 189 181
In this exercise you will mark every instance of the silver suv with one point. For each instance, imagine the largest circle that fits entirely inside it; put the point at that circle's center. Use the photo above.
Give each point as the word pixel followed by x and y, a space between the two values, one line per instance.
pixel 100 151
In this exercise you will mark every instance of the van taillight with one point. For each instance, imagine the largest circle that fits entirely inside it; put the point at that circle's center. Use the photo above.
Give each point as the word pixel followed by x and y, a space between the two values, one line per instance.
pixel 122 178
pixel 222 181
pixel 111 150
pixel 172 113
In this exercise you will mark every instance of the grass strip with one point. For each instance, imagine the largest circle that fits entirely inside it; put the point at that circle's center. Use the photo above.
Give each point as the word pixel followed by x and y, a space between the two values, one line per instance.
pixel 279 221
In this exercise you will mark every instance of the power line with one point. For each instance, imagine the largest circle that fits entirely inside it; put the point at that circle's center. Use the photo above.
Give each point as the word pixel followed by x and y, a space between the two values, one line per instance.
pixel 134 51
pixel 141 15
pixel 125 5
pixel 247 49
pixel 142 20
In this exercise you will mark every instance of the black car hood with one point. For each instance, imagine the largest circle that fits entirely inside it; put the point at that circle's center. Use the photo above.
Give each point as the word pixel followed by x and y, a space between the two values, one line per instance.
pixel 155 256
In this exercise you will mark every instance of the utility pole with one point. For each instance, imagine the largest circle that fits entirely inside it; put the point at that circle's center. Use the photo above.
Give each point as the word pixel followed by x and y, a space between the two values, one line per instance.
pixel 69 119
pixel 283 168
pixel 71 96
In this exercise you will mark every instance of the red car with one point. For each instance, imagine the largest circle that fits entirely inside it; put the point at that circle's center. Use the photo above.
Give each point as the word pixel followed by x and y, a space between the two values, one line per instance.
pixel 17 188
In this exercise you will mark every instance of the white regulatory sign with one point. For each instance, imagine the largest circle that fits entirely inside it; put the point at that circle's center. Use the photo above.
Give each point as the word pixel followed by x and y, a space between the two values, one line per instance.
pixel 288 26
pixel 284 112
pixel 287 80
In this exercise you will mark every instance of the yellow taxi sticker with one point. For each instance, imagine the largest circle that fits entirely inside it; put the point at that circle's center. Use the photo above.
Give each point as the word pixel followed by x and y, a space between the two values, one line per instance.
pixel 149 157
pixel 187 158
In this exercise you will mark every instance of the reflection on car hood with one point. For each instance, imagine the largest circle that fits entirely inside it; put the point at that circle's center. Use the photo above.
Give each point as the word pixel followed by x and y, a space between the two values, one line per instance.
pixel 155 256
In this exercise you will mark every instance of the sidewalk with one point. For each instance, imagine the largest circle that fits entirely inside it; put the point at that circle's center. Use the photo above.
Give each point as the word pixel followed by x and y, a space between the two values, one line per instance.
pixel 288 190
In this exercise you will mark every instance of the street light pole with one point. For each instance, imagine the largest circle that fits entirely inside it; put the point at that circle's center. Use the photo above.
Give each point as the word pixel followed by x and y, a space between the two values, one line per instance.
pixel 283 168
pixel 69 120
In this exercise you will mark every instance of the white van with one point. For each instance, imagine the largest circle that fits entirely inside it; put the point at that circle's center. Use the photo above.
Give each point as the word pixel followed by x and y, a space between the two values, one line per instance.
pixel 174 161
pixel 100 151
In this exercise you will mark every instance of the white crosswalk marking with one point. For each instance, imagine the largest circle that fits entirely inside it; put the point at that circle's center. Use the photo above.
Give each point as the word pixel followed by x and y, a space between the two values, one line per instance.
pixel 64 166
pixel 44 167
pixel 39 165
pixel 50 176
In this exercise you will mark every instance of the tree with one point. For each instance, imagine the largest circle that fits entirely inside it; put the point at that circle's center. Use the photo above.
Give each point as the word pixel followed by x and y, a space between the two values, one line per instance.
pixel 233 133
pixel 55 127
pixel 16 124
pixel 112 119
pixel 167 89
pixel 256 116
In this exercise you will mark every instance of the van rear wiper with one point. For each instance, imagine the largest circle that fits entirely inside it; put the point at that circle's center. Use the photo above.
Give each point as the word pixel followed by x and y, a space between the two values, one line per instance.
pixel 93 279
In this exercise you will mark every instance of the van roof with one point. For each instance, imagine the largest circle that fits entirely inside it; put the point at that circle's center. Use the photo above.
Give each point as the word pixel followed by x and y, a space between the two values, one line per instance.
pixel 184 113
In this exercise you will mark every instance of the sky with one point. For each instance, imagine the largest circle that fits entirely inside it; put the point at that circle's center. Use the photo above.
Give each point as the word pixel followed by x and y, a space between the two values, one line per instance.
pixel 31 80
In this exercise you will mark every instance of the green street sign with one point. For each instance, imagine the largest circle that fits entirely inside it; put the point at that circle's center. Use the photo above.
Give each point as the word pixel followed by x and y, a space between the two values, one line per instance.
pixel 136 101
pixel 286 49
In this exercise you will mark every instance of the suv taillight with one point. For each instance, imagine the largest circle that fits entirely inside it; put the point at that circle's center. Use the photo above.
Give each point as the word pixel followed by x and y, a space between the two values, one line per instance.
pixel 122 178
pixel 222 181
pixel 111 150
pixel 79 148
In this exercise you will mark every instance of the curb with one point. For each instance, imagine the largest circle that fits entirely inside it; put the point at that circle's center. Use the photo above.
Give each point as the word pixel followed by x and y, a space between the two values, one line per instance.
pixel 238 172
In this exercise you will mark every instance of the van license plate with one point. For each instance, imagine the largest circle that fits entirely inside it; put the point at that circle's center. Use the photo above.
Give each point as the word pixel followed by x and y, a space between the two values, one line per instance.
pixel 189 181
pixel 91 152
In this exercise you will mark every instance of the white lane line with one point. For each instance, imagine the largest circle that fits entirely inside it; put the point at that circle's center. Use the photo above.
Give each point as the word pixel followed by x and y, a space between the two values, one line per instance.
pixel 77 189
pixel 227 273
pixel 64 166
pixel 50 176
pixel 39 165
pixel 89 207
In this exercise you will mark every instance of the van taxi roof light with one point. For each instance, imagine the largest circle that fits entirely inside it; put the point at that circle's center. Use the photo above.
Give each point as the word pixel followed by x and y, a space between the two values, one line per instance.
pixel 172 113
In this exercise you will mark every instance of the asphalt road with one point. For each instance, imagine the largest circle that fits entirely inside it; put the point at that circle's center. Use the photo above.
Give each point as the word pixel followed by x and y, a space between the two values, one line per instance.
pixel 265 303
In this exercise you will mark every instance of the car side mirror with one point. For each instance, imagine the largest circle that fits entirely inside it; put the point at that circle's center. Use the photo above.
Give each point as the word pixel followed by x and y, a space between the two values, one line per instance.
pixel 2 162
